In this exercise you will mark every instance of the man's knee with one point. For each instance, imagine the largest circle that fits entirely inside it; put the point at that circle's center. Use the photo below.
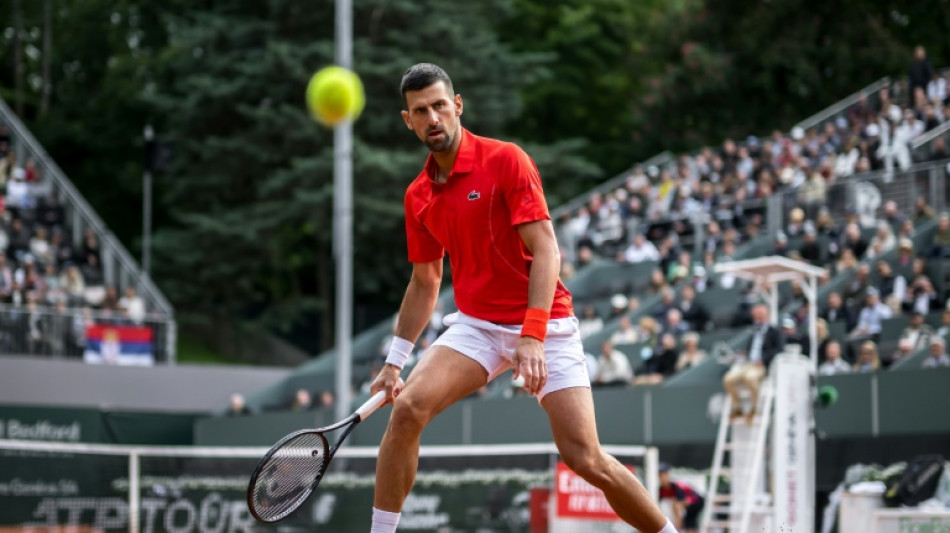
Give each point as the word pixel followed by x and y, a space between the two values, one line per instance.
pixel 591 464
pixel 409 415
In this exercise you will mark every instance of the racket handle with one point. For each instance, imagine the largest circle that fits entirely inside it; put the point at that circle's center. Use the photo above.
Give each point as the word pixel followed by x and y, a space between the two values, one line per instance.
pixel 371 405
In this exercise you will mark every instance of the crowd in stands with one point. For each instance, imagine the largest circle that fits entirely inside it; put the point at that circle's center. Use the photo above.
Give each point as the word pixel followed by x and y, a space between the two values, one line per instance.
pixel 300 400
pixel 51 290
pixel 652 216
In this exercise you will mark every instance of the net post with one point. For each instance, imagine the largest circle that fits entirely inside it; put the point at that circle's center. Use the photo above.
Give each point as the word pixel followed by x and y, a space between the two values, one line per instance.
pixel 651 465
pixel 134 491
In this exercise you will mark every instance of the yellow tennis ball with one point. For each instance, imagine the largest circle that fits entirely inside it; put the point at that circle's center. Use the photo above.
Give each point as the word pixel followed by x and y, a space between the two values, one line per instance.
pixel 335 94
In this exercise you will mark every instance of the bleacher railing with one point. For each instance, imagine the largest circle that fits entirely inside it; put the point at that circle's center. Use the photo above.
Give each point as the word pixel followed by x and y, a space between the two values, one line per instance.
pixel 866 194
pixel 922 148
pixel 612 184
pixel 118 266
pixel 832 112
pixel 108 337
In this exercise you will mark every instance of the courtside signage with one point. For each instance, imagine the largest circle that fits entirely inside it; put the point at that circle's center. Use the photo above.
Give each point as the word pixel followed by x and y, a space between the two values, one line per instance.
pixel 576 498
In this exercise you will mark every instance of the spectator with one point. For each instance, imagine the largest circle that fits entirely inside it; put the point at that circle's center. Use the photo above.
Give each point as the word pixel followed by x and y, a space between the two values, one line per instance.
pixel 940 245
pixel 938 354
pixel 890 286
pixel 833 363
pixel 326 398
pixel 301 401
pixel 132 305
pixel 657 282
pixel 590 323
pixel 921 296
pixel 837 312
pixel 781 244
pixel 18 191
pixel 847 261
pixel 921 73
pixel 73 284
pixel 111 300
pixel 613 368
pixel 918 333
pixel 694 313
pixel 750 368
pixel 238 406
pixel 627 334
pixel 944 329
pixel 91 271
pixel 6 279
pixel 700 282
pixel 905 253
pixel 858 287
pixel 793 337
pixel 691 355
pixel 641 250
pixel 91 246
pixel 872 315
pixel 667 302
pixel 854 241
pixel 40 247
pixel 922 211
pixel 648 330
pixel 892 216
pixel 883 241
pixel 619 305
pixel 905 348
pixel 674 323
pixel 686 502
pixel 796 224
pixel 810 249
pixel 868 360
pixel 661 364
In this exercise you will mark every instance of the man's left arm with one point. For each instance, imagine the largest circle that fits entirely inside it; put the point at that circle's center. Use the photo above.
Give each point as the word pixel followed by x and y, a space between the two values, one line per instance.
pixel 539 239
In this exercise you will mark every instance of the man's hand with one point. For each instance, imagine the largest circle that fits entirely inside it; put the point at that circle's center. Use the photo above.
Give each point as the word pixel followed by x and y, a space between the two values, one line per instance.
pixel 529 363
pixel 389 381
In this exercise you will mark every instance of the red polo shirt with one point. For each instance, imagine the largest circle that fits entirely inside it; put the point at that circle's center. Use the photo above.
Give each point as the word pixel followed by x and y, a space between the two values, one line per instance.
pixel 493 187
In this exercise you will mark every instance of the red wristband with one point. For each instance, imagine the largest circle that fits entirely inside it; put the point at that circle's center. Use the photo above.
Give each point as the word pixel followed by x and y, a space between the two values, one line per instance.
pixel 535 323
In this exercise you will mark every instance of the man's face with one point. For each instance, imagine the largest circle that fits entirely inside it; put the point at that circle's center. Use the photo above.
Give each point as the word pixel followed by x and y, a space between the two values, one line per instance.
pixel 833 351
pixel 433 114
pixel 760 314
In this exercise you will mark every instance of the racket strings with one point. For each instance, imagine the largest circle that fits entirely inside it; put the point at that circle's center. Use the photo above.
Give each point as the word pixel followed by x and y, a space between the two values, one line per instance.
pixel 289 475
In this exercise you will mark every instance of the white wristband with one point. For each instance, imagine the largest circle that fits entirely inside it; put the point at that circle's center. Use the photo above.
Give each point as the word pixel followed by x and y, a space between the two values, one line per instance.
pixel 399 352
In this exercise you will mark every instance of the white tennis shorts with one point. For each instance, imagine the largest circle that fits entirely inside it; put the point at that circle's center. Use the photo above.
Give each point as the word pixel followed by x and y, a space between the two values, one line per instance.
pixel 493 346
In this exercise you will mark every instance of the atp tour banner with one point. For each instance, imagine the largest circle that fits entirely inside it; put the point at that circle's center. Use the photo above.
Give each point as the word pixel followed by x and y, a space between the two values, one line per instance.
pixel 119 345
pixel 40 491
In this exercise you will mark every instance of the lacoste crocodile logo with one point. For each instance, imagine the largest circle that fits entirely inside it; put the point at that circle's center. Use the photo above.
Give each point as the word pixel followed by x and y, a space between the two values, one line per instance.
pixel 474 195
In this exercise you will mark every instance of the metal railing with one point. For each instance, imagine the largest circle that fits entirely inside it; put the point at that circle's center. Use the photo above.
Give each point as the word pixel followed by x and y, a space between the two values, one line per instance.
pixel 63 334
pixel 610 185
pixel 835 110
pixel 118 265
pixel 866 194
pixel 922 148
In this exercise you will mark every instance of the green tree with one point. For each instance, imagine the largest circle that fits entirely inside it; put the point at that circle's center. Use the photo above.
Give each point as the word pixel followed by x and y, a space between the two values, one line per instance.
pixel 252 190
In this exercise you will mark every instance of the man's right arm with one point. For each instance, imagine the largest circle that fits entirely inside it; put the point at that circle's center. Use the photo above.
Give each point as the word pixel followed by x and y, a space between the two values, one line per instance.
pixel 414 313
pixel 419 300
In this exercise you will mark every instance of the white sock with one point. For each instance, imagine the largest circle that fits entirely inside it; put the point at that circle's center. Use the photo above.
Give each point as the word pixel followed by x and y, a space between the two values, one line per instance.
pixel 668 528
pixel 386 522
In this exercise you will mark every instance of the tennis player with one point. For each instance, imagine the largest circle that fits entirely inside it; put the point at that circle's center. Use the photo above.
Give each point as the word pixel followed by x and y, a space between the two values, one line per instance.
pixel 481 201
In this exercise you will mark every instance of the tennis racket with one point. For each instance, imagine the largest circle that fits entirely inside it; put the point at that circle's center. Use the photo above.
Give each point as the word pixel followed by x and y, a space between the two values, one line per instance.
pixel 291 470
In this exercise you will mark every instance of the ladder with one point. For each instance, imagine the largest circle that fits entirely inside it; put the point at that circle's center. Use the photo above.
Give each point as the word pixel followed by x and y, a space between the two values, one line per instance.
pixel 738 442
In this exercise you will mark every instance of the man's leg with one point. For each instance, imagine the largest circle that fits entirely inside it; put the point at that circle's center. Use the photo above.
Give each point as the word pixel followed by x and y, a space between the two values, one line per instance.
pixel 571 412
pixel 443 377
pixel 731 382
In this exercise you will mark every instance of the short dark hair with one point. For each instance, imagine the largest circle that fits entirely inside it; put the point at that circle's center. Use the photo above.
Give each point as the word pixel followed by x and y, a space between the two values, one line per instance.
pixel 422 75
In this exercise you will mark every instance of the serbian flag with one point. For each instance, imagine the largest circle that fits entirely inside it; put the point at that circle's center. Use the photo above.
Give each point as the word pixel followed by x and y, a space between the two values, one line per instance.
pixel 119 345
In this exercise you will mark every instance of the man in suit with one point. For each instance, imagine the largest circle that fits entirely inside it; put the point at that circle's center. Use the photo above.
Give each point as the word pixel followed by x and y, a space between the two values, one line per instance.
pixel 749 370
